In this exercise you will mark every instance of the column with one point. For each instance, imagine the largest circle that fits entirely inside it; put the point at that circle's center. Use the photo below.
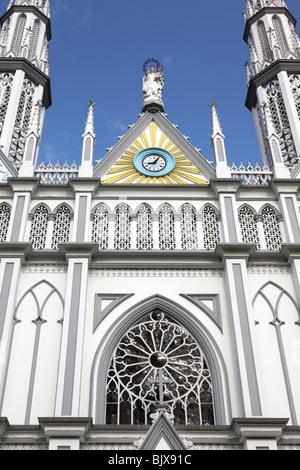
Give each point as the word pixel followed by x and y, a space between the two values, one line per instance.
pixel 177 228
pixel 199 225
pixel 155 225
pixel 261 233
pixel 133 224
pixel 111 231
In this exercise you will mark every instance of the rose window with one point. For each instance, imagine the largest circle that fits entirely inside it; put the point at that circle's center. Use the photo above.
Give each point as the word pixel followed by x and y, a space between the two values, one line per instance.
pixel 158 363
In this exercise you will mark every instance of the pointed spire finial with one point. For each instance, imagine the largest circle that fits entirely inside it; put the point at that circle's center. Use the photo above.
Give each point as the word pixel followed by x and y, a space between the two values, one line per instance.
pixel 216 127
pixel 89 127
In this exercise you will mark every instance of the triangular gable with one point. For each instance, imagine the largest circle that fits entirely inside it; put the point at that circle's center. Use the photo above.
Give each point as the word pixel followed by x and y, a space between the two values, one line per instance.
pixel 154 132
pixel 162 436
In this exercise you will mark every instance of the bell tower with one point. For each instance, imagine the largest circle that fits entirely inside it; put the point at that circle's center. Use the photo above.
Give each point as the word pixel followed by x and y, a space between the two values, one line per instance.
pixel 273 80
pixel 24 82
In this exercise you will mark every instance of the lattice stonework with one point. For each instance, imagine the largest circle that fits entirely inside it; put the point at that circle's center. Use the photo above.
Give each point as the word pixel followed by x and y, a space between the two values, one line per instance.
pixel 295 87
pixel 144 232
pixel 189 239
pixel 158 361
pixel 271 229
pixel 39 225
pixel 211 233
pixel 61 229
pixel 6 81
pixel 4 221
pixel 122 229
pixel 100 227
pixel 23 117
pixel 264 41
pixel 280 36
pixel 18 35
pixel 281 124
pixel 248 226
pixel 166 229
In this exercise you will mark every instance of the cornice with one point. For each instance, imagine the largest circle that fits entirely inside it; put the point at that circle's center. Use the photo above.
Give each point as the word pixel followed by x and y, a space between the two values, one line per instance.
pixel 28 9
pixel 268 74
pixel 12 64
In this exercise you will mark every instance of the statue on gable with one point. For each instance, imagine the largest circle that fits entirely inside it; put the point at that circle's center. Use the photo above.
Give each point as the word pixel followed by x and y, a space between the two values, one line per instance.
pixel 153 84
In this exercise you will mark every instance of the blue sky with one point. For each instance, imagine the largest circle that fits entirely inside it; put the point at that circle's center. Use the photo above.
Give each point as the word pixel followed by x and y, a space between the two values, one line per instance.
pixel 98 49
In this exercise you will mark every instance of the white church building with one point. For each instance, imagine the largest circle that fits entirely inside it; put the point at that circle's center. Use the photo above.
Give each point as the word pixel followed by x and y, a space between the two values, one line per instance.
pixel 150 300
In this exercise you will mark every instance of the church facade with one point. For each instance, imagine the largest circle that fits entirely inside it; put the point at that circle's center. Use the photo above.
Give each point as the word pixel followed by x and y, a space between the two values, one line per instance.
pixel 150 300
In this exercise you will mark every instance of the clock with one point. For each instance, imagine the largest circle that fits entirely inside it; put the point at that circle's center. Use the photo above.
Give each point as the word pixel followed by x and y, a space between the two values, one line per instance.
pixel 154 162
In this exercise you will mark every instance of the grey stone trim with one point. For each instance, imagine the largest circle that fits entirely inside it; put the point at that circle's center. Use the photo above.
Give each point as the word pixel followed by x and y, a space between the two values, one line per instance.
pixel 293 219
pixel 28 9
pixel 215 314
pixel 207 343
pixel 4 295
pixel 247 343
pixel 170 130
pixel 268 74
pixel 81 219
pixel 15 233
pixel 72 341
pixel 99 313
pixel 12 64
pixel 230 221
pixel 9 166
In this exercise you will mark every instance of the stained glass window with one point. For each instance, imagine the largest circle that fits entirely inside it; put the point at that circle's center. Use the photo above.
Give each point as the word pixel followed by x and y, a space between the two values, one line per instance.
pixel 158 361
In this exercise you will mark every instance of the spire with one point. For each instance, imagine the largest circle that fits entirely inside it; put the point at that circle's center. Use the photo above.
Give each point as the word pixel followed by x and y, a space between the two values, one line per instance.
pixel 218 144
pixel 88 144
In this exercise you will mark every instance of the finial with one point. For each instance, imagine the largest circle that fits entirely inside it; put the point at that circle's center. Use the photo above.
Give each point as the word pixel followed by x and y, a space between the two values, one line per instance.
pixel 216 128
pixel 89 127
pixel 153 84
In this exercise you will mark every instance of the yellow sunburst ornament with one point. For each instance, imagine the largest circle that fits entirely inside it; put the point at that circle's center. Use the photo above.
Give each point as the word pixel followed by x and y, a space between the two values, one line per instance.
pixel 153 159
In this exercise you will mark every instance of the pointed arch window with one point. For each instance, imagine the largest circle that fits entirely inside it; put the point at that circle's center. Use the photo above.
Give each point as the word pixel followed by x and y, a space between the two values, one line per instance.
pixel 280 36
pixel 211 233
pixel 144 229
pixel 4 221
pixel 100 227
pixel 271 229
pixel 166 223
pixel 122 228
pixel 295 87
pixel 158 361
pixel 34 39
pixel 61 229
pixel 248 226
pixel 264 41
pixel 188 223
pixel 18 35
pixel 39 226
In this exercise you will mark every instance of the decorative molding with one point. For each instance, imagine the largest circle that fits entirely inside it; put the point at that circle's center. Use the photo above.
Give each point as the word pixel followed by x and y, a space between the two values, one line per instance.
pixel 213 313
pixel 156 273
pixel 100 313
pixel 269 269
pixel 46 268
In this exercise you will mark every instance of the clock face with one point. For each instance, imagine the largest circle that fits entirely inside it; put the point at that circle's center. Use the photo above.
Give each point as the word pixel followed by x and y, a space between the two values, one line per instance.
pixel 154 163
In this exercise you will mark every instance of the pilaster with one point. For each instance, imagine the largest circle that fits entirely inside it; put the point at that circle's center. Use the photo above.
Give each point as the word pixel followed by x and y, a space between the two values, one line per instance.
pixel 286 192
pixel 10 268
pixel 248 383
pixel 71 355
pixel 226 191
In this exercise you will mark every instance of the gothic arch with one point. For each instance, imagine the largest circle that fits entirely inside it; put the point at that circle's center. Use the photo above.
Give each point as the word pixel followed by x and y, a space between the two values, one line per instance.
pixel 66 205
pixel 202 336
pixel 100 204
pixel 280 295
pixel 144 204
pixel 31 291
pixel 278 214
